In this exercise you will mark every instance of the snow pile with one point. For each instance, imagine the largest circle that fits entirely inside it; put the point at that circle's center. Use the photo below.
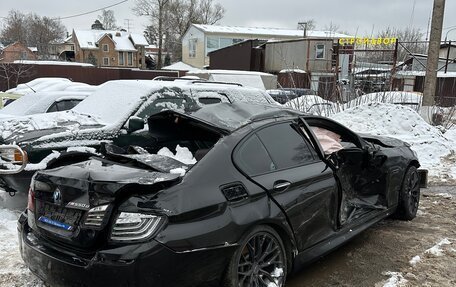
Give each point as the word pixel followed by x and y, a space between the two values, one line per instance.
pixel 401 122
pixel 183 154
pixel 396 279
pixel 408 98
pixel 415 260
pixel 12 269
pixel 436 250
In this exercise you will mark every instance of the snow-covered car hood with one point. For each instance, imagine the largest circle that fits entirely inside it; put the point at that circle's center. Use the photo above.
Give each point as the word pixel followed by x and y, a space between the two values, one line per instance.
pixel 31 127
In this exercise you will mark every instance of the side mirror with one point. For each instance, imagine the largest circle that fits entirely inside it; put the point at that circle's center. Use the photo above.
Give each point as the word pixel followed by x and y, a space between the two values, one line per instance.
pixel 12 159
pixel 135 124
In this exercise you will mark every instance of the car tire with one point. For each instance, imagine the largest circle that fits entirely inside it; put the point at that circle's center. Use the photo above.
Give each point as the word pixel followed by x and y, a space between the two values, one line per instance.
pixel 409 195
pixel 268 265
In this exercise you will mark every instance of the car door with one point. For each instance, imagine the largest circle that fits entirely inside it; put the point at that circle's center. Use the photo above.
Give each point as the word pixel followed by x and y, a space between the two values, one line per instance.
pixel 295 178
pixel 363 181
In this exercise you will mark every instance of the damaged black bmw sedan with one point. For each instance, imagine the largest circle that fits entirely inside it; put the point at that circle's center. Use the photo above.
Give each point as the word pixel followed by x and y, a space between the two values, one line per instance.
pixel 232 195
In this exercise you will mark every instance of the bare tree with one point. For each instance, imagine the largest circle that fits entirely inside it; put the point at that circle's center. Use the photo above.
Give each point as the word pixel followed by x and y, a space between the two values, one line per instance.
pixel 108 19
pixel 408 37
pixel 15 28
pixel 332 27
pixel 32 30
pixel 11 73
pixel 170 19
pixel 156 10
pixel 209 12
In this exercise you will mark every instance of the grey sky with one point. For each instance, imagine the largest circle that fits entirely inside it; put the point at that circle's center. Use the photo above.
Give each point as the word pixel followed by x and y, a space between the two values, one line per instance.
pixel 355 16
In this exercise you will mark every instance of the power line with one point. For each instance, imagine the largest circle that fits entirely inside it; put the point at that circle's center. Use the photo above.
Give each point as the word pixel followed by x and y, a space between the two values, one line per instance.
pixel 90 12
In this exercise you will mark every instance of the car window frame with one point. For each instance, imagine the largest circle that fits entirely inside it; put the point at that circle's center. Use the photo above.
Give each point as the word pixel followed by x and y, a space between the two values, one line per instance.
pixel 294 123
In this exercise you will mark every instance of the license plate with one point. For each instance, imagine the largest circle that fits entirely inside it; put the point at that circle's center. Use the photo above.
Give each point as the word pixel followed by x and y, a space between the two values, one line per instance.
pixel 55 223
pixel 58 216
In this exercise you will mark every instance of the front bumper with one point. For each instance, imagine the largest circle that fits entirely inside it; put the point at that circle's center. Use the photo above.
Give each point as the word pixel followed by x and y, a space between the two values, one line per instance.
pixel 146 264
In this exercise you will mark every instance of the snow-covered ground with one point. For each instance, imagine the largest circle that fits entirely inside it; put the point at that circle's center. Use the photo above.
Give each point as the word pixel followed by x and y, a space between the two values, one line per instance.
pixel 435 147
pixel 13 272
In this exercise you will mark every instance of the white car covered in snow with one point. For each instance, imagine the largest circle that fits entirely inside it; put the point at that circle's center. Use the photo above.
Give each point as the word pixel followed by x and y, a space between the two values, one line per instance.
pixel 45 102
pixel 116 112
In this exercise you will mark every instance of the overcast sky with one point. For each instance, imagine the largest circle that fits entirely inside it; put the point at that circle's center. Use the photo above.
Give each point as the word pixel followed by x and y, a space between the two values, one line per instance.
pixel 359 17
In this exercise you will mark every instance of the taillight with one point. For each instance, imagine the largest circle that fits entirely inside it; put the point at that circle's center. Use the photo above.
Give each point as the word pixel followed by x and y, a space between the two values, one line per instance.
pixel 31 200
pixel 136 226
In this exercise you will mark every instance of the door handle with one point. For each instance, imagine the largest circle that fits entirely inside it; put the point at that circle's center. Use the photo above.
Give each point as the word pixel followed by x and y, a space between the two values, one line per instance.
pixel 281 186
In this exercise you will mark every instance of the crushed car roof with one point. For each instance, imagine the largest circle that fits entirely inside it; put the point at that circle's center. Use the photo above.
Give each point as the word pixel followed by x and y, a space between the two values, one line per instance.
pixel 228 117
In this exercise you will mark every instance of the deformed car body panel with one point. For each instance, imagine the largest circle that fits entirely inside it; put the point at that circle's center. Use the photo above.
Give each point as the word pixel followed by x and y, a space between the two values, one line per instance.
pixel 204 224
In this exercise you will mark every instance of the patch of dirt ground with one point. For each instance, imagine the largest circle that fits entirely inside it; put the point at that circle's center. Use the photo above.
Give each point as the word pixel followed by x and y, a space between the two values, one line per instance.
pixel 379 257
pixel 382 255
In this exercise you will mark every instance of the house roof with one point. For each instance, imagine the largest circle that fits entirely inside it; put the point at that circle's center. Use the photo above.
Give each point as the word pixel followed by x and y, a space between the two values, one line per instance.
pixel 269 32
pixel 124 41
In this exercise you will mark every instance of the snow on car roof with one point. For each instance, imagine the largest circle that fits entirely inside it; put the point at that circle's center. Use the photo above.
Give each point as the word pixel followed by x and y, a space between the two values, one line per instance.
pixel 36 85
pixel 35 103
pixel 116 100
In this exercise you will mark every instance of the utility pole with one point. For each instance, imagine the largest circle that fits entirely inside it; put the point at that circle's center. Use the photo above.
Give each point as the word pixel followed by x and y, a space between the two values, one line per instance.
pixel 435 38
pixel 303 25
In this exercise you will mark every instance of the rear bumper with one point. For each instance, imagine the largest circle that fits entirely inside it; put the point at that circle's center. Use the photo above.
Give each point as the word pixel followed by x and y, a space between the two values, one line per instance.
pixel 146 264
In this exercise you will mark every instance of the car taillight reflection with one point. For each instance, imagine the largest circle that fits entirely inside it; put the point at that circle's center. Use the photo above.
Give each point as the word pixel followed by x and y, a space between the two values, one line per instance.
pixel 31 200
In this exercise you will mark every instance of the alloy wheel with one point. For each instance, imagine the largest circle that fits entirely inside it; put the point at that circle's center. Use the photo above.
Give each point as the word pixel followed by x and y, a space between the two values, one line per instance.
pixel 261 262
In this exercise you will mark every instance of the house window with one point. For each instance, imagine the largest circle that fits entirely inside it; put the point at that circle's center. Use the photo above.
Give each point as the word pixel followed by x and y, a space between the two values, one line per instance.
pixel 212 44
pixel 106 61
pixel 105 48
pixel 319 51
pixel 121 59
pixel 192 48
pixel 130 59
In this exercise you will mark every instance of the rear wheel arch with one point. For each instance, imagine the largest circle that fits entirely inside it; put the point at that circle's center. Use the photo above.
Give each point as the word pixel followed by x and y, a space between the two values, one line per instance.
pixel 288 242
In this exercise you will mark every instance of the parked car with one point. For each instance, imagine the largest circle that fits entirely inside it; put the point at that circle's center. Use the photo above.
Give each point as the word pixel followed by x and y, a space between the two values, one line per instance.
pixel 8 98
pixel 285 95
pixel 231 195
pixel 45 102
pixel 115 112
pixel 281 96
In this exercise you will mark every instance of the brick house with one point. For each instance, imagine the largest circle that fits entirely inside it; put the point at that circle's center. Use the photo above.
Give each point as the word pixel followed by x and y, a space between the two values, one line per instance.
pixel 106 48
pixel 16 51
